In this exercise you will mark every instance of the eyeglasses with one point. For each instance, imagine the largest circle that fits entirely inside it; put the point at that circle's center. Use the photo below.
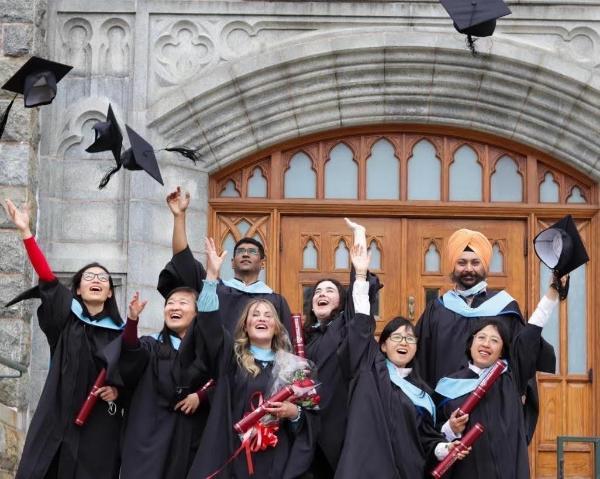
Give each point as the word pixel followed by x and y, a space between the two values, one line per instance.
pixel 250 251
pixel 398 338
pixel 89 276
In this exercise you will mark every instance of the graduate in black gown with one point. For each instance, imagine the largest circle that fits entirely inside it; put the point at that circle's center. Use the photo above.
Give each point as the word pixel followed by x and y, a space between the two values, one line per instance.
pixel 501 452
pixel 247 261
pixel 165 417
pixel 391 419
pixel 242 365
pixel 325 333
pixel 448 322
pixel 78 323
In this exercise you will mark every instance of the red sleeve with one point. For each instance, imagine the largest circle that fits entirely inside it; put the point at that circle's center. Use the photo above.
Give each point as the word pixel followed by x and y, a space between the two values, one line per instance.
pixel 130 335
pixel 38 260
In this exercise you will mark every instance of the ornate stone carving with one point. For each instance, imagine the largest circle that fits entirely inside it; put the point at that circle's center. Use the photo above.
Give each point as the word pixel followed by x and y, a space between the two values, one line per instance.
pixel 183 51
pixel 114 49
pixel 76 45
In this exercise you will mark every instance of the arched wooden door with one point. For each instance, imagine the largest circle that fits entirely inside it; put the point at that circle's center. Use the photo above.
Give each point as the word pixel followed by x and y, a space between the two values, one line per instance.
pixel 412 188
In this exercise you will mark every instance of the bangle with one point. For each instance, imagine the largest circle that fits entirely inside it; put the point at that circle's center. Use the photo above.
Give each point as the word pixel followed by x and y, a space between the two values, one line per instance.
pixel 361 275
pixel 297 418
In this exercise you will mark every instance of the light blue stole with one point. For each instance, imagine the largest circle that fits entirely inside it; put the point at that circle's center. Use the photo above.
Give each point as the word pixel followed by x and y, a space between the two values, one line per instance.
pixel 175 340
pixel 492 307
pixel 105 322
pixel 257 287
pixel 417 396
pixel 453 388
pixel 263 355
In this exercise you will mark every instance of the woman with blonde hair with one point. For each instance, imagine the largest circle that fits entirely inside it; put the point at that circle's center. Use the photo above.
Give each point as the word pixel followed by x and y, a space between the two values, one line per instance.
pixel 242 366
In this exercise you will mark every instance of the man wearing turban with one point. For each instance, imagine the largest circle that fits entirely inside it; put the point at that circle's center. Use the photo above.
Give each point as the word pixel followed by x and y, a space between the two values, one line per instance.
pixel 449 321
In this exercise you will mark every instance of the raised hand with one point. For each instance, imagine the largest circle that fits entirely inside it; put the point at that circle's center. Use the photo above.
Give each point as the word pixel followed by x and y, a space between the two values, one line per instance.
pixel 359 233
pixel 360 258
pixel 178 201
pixel 213 259
pixel 19 217
pixel 136 307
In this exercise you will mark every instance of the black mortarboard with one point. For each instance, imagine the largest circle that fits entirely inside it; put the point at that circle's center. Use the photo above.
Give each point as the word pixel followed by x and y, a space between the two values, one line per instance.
pixel 37 80
pixel 31 293
pixel 475 18
pixel 139 157
pixel 560 247
pixel 108 136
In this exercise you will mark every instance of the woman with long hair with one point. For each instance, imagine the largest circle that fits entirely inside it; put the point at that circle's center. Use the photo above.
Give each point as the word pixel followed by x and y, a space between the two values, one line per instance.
pixel 78 323
pixel 325 333
pixel 163 447
pixel 242 366
pixel 391 417
pixel 501 452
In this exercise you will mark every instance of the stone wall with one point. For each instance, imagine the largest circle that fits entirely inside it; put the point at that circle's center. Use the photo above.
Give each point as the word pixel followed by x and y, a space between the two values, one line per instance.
pixel 22 32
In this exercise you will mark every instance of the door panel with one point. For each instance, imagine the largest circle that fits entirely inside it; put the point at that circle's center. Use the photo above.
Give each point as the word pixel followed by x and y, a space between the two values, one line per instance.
pixel 413 271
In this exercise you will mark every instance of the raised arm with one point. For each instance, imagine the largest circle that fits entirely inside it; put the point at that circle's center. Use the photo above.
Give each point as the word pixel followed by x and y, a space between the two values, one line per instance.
pixel 21 219
pixel 178 202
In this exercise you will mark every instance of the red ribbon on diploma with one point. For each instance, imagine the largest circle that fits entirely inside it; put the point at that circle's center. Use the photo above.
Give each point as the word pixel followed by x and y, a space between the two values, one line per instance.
pixel 91 399
pixel 254 434
pixel 467 441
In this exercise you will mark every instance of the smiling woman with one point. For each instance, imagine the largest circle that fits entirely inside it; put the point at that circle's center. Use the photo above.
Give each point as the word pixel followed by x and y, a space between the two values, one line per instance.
pixel 78 324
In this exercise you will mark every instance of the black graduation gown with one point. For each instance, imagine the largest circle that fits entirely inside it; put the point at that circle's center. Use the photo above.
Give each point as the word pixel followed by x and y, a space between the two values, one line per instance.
pixel 501 451
pixel 327 348
pixel 443 336
pixel 234 388
pixel 158 443
pixel 88 452
pixel 387 435
pixel 185 270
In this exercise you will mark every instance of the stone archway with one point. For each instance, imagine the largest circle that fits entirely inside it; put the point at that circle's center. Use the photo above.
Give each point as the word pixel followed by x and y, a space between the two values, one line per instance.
pixel 384 75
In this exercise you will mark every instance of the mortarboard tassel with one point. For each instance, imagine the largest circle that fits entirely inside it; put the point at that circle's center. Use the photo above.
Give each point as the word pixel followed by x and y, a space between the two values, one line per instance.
pixel 4 118
pixel 471 44
pixel 106 177
pixel 187 152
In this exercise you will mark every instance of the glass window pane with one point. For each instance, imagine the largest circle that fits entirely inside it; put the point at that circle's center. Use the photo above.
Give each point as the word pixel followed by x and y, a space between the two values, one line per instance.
pixel 262 275
pixel 383 170
pixel 432 259
pixel 341 174
pixel 431 294
pixel 465 176
pixel 243 227
pixel 309 256
pixel 375 255
pixel 549 189
pixel 497 262
pixel 300 180
pixel 228 245
pixel 229 191
pixel 424 173
pixel 551 331
pixel 342 256
pixel 576 314
pixel 257 184
pixel 507 184
pixel 576 196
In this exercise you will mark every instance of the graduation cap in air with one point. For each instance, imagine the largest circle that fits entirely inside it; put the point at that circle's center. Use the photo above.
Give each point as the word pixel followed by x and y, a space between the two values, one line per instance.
pixel 475 18
pixel 140 156
pixel 36 80
pixel 561 249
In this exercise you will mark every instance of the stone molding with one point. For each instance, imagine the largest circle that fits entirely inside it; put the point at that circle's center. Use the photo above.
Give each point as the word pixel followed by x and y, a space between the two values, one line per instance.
pixel 387 75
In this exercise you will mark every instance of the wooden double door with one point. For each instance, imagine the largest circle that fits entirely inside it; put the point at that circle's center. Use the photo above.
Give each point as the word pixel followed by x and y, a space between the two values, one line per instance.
pixel 408 255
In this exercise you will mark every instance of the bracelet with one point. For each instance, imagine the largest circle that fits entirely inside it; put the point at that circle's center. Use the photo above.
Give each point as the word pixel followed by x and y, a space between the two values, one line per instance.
pixel 297 418
pixel 361 275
